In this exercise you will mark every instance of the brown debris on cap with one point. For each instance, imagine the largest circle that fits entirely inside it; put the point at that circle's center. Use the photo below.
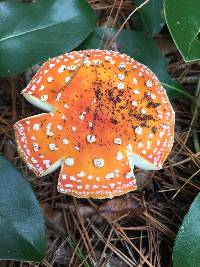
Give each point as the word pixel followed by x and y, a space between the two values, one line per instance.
pixel 108 114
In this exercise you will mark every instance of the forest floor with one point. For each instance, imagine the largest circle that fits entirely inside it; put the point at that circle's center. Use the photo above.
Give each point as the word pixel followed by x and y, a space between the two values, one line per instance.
pixel 137 229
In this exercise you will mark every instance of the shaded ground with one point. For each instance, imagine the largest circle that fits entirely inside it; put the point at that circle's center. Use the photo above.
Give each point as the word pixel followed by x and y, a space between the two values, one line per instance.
pixel 137 229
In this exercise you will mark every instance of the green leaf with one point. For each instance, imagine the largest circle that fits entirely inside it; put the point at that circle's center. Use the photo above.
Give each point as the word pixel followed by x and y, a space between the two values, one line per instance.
pixel 183 20
pixel 142 48
pixel 32 32
pixel 151 16
pixel 22 234
pixel 187 244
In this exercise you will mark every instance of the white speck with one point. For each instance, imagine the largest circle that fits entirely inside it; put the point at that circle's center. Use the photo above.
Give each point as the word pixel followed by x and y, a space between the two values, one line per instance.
pixel 50 79
pixel 120 86
pixel 90 138
pixel 150 135
pixel 33 86
pixel 36 126
pixel 116 173
pixel 68 185
pixel 67 79
pixel 122 66
pixel 148 144
pixel 77 148
pixel 53 147
pixel 87 62
pixel 69 162
pixel 121 76
pixel 51 66
pixel 89 177
pixel 87 186
pixel 104 186
pixel 64 177
pixel 150 157
pixel 153 96
pixel 149 83
pixel 144 152
pixel 108 58
pixel 154 151
pixel 99 163
pixel 90 124
pixel 81 174
pixel 62 190
pixel 136 91
pixel 134 103
pixel 161 134
pixel 120 156
pixel 34 160
pixel 28 122
pixel 160 115
pixel 77 61
pixel 44 98
pixel 79 186
pixel 61 68
pixel 47 163
pixel 63 117
pixel 158 142
pixel 140 144
pixel 112 185
pixel 97 61
pixel 140 74
pixel 129 175
pixel 35 147
pixel 66 106
pixel 129 148
pixel 58 97
pixel 117 141
pixel 110 175
pixel 71 68
pixel 97 179
pixel 138 130
pixel 143 111
pixel 70 56
pixel 73 128
pixel 45 71
pixel 135 81
pixel 41 88
pixel 59 127
pixel 72 178
pixel 65 141
pixel 48 131
pixel 82 116
pixel 163 126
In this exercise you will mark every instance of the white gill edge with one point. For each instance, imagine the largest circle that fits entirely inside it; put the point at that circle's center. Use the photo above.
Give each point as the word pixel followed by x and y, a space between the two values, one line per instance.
pixel 38 103
pixel 53 167
pixel 136 160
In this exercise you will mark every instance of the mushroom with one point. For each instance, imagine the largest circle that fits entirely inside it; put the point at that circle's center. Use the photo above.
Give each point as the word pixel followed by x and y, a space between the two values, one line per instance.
pixel 105 115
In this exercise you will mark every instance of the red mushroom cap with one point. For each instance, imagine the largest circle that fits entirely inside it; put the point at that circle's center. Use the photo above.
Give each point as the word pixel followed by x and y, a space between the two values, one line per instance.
pixel 108 113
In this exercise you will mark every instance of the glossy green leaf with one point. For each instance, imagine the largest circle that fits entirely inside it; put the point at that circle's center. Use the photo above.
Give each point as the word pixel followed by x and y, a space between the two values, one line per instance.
pixel 141 48
pixel 22 234
pixel 31 33
pixel 151 16
pixel 187 244
pixel 183 20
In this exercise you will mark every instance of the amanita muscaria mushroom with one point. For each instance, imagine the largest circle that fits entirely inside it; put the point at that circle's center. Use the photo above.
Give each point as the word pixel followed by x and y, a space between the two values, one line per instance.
pixel 105 114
